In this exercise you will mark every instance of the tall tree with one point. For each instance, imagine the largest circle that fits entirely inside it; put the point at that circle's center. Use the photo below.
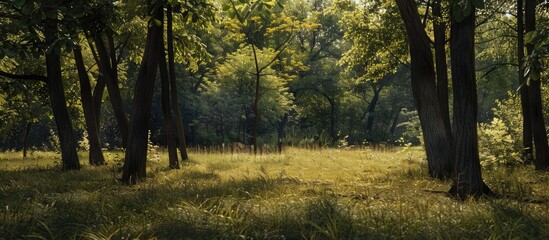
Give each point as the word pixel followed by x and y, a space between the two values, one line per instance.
pixel 467 173
pixel 437 142
pixel 534 92
pixel 167 110
pixel 524 99
pixel 96 155
pixel 136 150
pixel 439 32
pixel 252 23
pixel 173 86
pixel 69 155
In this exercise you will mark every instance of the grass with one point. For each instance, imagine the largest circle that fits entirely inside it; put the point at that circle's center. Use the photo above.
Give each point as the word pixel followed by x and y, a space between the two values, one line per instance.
pixel 300 194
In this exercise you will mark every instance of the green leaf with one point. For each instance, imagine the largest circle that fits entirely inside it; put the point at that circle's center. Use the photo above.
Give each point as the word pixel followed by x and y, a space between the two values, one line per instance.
pixel 157 22
pixel 478 3
pixel 529 36
pixel 270 3
pixel 225 7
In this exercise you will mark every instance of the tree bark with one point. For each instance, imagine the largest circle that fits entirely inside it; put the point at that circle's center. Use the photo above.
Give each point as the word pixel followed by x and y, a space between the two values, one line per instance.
pixel 395 121
pixel 69 155
pixel 166 110
pixel 136 151
pixel 281 132
pixel 26 139
pixel 98 89
pixel 96 157
pixel 534 91
pixel 255 107
pixel 439 30
pixel 524 99
pixel 467 175
pixel 111 80
pixel 372 108
pixel 173 87
pixel 437 142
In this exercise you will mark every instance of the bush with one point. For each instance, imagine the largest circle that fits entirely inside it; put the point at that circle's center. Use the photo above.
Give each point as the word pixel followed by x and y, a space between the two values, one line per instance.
pixel 500 141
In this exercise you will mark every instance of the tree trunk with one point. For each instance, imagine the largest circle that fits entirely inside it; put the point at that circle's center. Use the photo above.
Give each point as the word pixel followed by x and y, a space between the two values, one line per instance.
pixel 395 122
pixel 69 155
pixel 439 30
pixel 371 109
pixel 437 142
pixel 255 107
pixel 333 132
pixel 136 151
pixel 166 110
pixel 173 87
pixel 98 89
pixel 96 157
pixel 534 91
pixel 524 100
pixel 468 178
pixel 98 99
pixel 281 132
pixel 26 139
pixel 109 74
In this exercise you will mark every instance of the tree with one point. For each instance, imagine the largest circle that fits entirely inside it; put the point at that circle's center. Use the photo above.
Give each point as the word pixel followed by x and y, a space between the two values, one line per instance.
pixel 96 155
pixel 136 150
pixel 69 155
pixel 253 19
pixel 437 142
pixel 534 93
pixel 467 173
pixel 524 99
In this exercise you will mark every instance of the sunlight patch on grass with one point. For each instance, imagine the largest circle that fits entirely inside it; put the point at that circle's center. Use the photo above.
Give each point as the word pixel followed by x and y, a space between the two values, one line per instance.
pixel 299 194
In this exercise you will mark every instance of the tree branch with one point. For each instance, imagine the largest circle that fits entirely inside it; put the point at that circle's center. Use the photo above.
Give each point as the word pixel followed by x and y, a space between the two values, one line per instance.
pixel 24 77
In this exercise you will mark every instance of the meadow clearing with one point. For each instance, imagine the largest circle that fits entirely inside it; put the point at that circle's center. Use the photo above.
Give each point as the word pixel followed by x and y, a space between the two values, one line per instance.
pixel 299 194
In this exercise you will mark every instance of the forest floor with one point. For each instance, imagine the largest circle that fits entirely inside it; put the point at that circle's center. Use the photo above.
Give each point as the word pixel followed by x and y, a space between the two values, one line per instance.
pixel 300 194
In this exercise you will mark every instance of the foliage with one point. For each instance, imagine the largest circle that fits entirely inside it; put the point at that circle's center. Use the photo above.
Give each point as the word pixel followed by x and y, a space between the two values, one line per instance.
pixel 230 91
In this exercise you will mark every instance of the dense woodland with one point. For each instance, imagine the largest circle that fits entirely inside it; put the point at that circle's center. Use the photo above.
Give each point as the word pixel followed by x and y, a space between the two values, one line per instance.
pixel 463 78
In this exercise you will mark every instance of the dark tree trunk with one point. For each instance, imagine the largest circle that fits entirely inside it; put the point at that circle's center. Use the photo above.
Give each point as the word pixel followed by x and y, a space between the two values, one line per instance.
pixel 255 107
pixel 136 151
pixel 524 100
pixel 372 108
pixel 111 80
pixel 439 30
pixel 98 99
pixel 166 110
pixel 395 121
pixel 96 157
pixel 281 132
pixel 534 91
pixel 26 139
pixel 437 142
pixel 173 87
pixel 468 178
pixel 98 89
pixel 69 155
pixel 333 133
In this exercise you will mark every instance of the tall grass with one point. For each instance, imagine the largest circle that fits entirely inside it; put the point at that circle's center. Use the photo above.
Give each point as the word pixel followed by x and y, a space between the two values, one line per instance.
pixel 300 194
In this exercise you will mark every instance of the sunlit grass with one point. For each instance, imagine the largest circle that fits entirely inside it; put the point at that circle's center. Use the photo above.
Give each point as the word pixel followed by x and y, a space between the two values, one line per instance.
pixel 299 194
